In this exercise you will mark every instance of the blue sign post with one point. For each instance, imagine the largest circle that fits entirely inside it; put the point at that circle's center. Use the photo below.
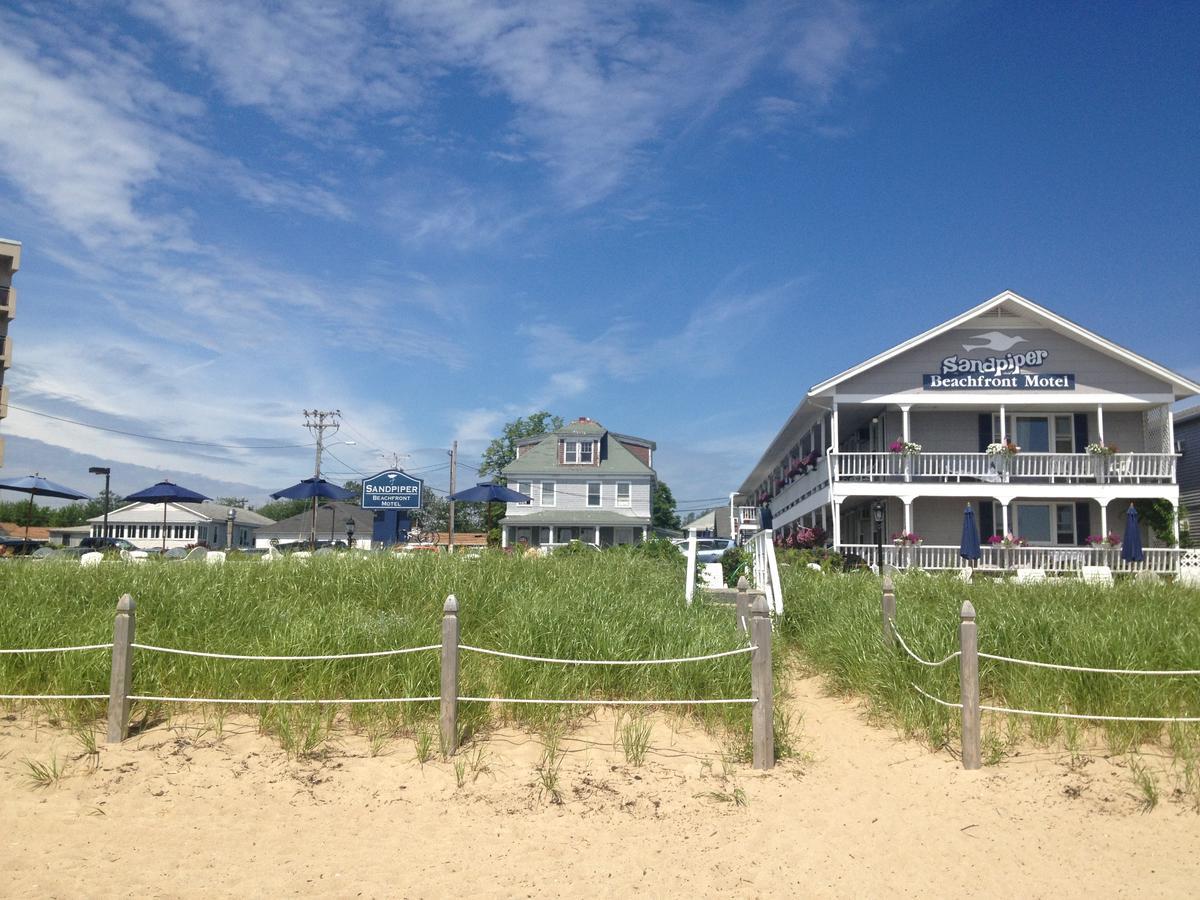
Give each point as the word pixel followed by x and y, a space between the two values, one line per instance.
pixel 392 489
pixel 393 493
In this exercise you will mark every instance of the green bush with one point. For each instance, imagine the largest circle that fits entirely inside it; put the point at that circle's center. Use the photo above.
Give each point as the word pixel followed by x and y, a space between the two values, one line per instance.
pixel 736 562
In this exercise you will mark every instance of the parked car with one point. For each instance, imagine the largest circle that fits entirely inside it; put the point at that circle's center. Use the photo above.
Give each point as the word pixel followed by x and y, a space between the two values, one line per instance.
pixel 19 546
pixel 107 543
pixel 708 550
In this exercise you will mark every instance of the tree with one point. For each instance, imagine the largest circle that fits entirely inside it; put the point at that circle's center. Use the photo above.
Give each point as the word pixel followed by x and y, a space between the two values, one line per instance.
pixel 355 487
pixel 503 450
pixel 235 502
pixel 663 513
pixel 283 509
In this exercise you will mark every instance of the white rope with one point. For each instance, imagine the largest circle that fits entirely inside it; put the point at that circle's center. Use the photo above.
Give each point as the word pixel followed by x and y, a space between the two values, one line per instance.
pixel 607 662
pixel 1058 715
pixel 60 649
pixel 53 696
pixel 284 658
pixel 247 702
pixel 1046 665
pixel 608 702
pixel 924 662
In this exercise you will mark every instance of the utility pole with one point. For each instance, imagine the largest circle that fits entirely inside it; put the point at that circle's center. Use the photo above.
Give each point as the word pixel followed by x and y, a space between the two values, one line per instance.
pixel 453 473
pixel 317 422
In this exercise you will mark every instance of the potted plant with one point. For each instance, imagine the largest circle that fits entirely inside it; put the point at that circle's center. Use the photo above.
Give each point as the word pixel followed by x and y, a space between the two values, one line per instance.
pixel 1005 543
pixel 1000 454
pixel 1101 454
pixel 1102 544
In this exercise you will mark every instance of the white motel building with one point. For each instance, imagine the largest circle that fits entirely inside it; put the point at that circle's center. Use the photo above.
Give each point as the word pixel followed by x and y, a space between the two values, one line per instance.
pixel 935 423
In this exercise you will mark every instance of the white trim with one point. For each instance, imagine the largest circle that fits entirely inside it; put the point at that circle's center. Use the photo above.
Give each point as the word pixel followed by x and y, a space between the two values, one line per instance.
pixel 1028 398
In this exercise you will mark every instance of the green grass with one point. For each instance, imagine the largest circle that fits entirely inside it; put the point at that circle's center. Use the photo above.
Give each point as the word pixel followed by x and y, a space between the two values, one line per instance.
pixel 834 623
pixel 615 605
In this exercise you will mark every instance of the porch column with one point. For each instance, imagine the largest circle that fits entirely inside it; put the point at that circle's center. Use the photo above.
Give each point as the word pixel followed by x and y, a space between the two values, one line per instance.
pixel 1003 426
pixel 1175 514
pixel 837 523
pixel 503 536
pixel 644 533
pixel 905 422
pixel 1100 425
pixel 1103 517
pixel 908 520
pixel 1170 432
pixel 1004 529
pixel 834 439
pixel 597 535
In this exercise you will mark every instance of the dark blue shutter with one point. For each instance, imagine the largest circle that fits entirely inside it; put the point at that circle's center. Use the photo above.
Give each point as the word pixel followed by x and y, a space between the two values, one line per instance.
pixel 985 431
pixel 1081 432
pixel 987 521
pixel 1083 518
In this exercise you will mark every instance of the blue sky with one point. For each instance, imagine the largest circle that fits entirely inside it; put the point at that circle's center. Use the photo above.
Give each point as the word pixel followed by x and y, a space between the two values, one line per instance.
pixel 670 217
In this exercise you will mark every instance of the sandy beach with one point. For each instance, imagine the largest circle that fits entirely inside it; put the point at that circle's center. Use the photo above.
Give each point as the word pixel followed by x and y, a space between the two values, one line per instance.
pixel 182 811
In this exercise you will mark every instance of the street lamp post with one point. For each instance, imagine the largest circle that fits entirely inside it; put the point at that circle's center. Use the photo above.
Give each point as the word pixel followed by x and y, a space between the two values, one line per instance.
pixel 350 534
pixel 230 521
pixel 106 472
pixel 877 511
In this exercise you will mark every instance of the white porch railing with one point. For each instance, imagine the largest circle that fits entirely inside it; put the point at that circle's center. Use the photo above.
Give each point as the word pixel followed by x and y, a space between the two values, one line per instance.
pixel 1129 468
pixel 745 517
pixel 1164 560
pixel 766 568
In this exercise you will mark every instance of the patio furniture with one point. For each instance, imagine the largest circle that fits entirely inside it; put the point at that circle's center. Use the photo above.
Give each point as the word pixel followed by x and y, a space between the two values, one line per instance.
pixel 91 559
pixel 1029 575
pixel 215 557
pixel 1096 575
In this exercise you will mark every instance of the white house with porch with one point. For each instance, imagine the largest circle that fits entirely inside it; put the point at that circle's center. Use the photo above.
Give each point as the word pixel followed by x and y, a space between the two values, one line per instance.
pixel 186 524
pixel 586 483
pixel 1047 429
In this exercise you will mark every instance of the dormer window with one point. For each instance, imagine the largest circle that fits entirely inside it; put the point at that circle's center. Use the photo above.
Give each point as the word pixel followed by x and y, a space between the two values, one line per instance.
pixel 578 452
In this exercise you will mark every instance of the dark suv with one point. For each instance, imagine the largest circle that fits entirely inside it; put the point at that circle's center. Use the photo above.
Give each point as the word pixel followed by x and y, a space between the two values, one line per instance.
pixel 107 543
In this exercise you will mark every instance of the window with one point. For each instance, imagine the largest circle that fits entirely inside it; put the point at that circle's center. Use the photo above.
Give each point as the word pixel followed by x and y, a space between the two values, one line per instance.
pixel 524 487
pixel 154 530
pixel 585 452
pixel 593 493
pixel 191 531
pixel 1045 524
pixel 578 452
pixel 1039 434
pixel 547 493
pixel 623 494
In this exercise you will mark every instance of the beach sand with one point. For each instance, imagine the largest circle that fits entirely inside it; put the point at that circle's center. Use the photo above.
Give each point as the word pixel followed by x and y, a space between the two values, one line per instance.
pixel 181 811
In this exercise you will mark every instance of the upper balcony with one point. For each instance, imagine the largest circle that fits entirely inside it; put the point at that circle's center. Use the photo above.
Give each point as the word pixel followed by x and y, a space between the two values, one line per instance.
pixel 5 352
pixel 1027 468
pixel 8 302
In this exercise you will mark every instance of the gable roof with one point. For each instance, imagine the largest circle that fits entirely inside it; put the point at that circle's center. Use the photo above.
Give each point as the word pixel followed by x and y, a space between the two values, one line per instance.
pixel 336 511
pixel 1183 387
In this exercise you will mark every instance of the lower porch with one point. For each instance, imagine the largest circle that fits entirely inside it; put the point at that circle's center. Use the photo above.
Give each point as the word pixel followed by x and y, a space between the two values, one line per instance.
pixel 601 529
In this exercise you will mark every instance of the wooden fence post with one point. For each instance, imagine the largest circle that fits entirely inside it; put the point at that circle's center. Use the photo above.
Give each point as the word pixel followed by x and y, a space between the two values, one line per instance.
pixel 761 687
pixel 889 611
pixel 120 680
pixel 968 680
pixel 449 720
pixel 741 608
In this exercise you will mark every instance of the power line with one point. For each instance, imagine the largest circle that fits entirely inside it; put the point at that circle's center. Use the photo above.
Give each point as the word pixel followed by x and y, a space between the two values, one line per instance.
pixel 151 437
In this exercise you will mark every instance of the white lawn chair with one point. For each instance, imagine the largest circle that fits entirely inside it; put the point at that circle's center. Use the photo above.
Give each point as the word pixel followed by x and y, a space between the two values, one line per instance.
pixel 196 554
pixel 1149 576
pixel 215 557
pixel 91 559
pixel 1030 575
pixel 965 574
pixel 1096 575
pixel 134 556
pixel 271 555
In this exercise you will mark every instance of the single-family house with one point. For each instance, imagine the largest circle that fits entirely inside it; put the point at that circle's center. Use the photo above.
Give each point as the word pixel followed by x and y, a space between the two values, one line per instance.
pixel 186 524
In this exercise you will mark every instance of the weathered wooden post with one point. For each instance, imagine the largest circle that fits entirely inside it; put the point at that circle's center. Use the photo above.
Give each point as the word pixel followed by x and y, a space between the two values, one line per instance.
pixel 741 608
pixel 889 611
pixel 968 680
pixel 121 679
pixel 689 589
pixel 761 687
pixel 449 720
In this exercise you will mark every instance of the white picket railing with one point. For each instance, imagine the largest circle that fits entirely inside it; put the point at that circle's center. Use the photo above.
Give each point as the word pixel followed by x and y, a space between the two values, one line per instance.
pixel 1135 468
pixel 1163 560
pixel 766 568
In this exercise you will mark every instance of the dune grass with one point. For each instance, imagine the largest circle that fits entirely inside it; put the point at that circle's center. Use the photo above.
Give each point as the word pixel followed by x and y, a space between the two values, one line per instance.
pixel 596 606
pixel 834 623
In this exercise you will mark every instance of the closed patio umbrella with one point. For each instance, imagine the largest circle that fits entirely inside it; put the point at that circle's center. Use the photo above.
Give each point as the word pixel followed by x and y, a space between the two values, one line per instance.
pixel 34 485
pixel 1131 543
pixel 166 492
pixel 968 546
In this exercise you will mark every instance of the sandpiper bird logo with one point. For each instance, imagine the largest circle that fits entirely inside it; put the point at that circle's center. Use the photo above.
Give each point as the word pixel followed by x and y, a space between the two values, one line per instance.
pixel 994 340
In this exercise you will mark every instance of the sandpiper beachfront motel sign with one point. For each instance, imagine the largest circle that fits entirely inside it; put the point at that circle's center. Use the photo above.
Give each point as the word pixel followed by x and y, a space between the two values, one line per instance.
pixel 1005 372
pixel 392 489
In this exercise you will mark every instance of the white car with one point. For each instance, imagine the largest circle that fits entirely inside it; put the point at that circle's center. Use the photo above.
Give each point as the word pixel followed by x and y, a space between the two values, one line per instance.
pixel 708 550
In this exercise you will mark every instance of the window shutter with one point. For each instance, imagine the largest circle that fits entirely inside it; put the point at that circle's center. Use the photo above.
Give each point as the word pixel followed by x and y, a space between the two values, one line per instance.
pixel 1081 432
pixel 985 431
pixel 987 521
pixel 1083 516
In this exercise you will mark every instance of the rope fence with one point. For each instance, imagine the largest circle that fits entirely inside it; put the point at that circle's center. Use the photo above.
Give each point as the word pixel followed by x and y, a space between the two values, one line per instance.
pixel 968 656
pixel 120 693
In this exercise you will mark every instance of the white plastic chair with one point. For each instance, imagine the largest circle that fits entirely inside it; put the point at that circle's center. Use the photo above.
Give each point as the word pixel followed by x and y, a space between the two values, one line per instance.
pixel 1030 575
pixel 1096 575
pixel 215 557
pixel 91 559
pixel 965 573
pixel 134 556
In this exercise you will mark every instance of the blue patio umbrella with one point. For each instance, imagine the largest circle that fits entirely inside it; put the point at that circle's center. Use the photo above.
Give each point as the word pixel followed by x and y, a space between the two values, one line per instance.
pixel 489 492
pixel 166 492
pixel 968 547
pixel 36 484
pixel 1131 543
pixel 311 489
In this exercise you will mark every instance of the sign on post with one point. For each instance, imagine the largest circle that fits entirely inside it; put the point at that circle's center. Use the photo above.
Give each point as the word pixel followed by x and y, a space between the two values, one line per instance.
pixel 392 489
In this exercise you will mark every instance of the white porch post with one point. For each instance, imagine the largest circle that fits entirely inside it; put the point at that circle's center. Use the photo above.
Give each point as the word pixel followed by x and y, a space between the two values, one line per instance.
pixel 1170 432
pixel 1100 425
pixel 1103 518
pixel 837 523
pixel 834 438
pixel 1175 514
pixel 503 537
pixel 645 531
pixel 908 519
pixel 597 535
pixel 1004 529
pixel 905 422
pixel 1004 427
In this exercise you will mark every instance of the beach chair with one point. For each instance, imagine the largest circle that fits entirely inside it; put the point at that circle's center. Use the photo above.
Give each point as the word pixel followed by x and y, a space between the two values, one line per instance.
pixel 1096 575
pixel 1029 575
pixel 215 557
pixel 271 555
pixel 134 556
pixel 91 559
pixel 1148 576
pixel 965 574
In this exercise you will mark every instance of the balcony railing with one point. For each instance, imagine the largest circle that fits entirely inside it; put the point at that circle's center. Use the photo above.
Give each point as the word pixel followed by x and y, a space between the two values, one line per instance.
pixel 1050 468
pixel 1052 559
pixel 745 518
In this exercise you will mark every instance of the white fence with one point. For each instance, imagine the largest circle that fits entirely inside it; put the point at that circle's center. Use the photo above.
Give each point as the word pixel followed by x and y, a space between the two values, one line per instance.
pixel 766 568
pixel 1162 560
pixel 1067 468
